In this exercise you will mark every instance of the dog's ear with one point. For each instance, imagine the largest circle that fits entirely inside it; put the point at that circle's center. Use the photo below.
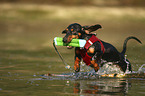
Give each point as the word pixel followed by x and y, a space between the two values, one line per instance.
pixel 92 28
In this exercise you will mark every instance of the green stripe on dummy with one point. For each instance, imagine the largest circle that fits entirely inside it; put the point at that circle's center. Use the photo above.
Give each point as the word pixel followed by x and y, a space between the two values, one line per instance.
pixel 75 42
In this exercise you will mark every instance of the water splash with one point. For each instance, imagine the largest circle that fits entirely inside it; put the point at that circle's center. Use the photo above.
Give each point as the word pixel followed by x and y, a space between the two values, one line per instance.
pixel 141 69
pixel 109 69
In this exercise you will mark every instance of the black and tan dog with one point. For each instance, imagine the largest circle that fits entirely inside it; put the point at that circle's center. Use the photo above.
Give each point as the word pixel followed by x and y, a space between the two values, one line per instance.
pixel 95 49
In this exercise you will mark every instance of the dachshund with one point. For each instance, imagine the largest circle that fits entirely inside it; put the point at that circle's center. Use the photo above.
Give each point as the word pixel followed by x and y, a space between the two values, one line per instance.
pixel 95 50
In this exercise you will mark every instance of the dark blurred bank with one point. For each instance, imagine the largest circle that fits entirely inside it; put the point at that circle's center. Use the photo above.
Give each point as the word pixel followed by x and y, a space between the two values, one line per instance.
pixel 82 2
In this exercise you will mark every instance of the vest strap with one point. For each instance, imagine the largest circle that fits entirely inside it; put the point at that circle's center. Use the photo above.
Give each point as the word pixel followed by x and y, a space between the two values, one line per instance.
pixel 92 40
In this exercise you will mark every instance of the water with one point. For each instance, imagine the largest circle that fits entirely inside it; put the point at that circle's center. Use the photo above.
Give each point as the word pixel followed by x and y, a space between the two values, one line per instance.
pixel 37 86
pixel 70 84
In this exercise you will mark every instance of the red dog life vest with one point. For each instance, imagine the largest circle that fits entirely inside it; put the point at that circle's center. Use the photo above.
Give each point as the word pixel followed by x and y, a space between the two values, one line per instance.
pixel 83 52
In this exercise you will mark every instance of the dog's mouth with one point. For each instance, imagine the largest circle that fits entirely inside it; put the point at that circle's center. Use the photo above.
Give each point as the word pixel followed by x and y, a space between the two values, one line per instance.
pixel 70 47
pixel 69 38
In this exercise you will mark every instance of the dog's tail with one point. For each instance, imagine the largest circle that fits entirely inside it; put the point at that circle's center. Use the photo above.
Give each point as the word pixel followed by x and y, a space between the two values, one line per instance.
pixel 125 43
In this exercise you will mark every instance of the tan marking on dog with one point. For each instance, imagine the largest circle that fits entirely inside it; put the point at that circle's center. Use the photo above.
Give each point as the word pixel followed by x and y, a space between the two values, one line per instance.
pixel 75 36
pixel 77 63
pixel 95 65
pixel 91 50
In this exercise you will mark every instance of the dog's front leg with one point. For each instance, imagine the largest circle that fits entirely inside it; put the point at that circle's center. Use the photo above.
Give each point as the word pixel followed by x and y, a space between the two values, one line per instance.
pixel 77 64
pixel 77 60
pixel 95 65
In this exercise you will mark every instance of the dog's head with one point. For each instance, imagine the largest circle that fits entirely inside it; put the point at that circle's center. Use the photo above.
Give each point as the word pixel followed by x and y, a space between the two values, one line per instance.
pixel 72 31
pixel 76 31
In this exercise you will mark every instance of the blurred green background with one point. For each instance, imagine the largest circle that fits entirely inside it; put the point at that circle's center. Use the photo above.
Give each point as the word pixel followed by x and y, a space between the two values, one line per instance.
pixel 27 29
